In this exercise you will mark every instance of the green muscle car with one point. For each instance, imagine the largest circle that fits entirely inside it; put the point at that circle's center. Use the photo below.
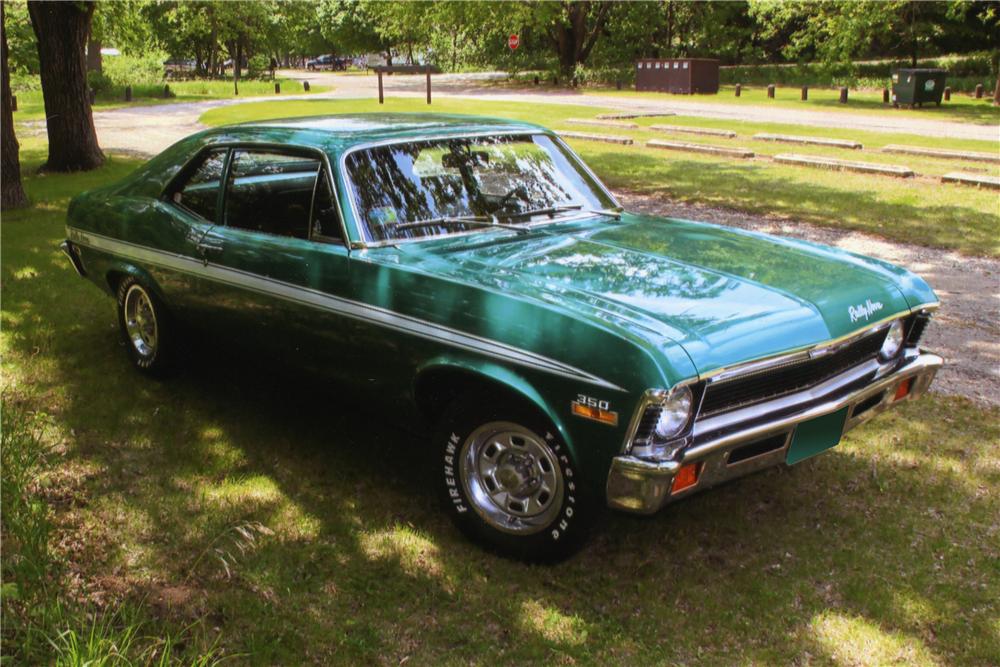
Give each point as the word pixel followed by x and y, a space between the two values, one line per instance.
pixel 564 353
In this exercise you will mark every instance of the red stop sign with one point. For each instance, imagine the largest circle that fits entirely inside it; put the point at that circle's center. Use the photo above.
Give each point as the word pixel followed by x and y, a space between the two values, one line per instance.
pixel 513 42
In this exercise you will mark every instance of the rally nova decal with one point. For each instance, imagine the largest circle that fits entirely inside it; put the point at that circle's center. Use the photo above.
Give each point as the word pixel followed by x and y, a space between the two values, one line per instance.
pixel 865 310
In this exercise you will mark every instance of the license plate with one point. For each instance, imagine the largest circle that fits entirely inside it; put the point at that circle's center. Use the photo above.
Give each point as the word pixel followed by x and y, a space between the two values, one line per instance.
pixel 816 436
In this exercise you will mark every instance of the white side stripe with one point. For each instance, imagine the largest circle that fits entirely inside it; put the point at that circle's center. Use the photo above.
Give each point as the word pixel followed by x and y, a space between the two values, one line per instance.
pixel 322 301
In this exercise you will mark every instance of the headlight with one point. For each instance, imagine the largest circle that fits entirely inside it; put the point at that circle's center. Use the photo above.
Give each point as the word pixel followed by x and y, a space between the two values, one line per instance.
pixel 674 413
pixel 893 340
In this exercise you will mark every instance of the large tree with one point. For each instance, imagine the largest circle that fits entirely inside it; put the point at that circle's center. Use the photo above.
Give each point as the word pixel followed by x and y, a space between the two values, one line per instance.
pixel 62 29
pixel 11 192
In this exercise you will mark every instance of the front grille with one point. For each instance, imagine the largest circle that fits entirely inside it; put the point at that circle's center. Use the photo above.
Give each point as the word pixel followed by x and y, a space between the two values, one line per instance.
pixel 915 328
pixel 644 432
pixel 781 380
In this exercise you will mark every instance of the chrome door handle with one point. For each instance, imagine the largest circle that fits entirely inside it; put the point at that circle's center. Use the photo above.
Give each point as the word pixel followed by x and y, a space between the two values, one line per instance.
pixel 208 248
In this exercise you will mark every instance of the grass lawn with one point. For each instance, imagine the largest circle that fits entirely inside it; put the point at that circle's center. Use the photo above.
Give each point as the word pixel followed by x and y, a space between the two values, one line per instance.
pixel 962 107
pixel 30 105
pixel 913 210
pixel 880 552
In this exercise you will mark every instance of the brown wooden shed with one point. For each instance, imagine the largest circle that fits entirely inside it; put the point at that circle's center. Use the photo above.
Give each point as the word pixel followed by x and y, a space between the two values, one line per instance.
pixel 684 76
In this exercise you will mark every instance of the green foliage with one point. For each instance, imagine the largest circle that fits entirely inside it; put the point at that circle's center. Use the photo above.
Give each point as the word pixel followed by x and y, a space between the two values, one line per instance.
pixel 964 72
pixel 259 65
pixel 23 54
pixel 597 36
pixel 145 69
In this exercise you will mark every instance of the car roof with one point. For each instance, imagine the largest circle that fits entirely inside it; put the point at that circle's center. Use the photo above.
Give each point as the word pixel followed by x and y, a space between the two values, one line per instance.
pixel 339 133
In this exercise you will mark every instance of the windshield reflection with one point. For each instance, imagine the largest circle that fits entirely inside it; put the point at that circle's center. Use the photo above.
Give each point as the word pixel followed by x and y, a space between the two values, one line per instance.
pixel 502 177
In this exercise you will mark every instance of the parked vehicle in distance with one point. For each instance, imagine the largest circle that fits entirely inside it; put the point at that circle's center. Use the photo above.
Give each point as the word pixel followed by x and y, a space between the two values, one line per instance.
pixel 475 275
pixel 177 66
pixel 328 61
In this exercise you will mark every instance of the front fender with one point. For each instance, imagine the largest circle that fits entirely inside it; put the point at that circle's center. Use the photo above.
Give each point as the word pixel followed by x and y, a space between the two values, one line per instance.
pixel 443 368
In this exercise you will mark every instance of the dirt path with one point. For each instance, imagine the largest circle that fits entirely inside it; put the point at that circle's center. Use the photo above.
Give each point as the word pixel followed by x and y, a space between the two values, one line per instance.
pixel 966 329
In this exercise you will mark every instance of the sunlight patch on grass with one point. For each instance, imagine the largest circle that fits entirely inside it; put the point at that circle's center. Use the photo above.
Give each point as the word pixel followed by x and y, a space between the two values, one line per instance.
pixel 222 454
pixel 252 490
pixel 414 552
pixel 25 273
pixel 852 640
pixel 553 624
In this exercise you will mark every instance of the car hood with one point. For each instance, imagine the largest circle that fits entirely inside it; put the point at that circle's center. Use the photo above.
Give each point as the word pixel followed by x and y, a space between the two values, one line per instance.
pixel 725 295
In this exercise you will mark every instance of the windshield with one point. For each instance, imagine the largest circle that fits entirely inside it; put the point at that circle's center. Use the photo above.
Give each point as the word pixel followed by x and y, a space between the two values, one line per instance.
pixel 440 182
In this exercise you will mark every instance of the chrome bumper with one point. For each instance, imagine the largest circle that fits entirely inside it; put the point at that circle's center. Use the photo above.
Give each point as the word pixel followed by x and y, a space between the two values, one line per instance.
pixel 72 253
pixel 642 486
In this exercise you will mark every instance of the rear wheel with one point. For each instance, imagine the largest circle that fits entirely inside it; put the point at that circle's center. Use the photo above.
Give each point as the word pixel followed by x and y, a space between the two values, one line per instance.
pixel 145 327
pixel 509 481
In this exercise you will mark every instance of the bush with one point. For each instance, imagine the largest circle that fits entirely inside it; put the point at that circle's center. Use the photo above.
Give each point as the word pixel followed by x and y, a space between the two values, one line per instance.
pixel 100 83
pixel 606 75
pixel 135 70
pixel 21 82
pixel 964 72
pixel 259 65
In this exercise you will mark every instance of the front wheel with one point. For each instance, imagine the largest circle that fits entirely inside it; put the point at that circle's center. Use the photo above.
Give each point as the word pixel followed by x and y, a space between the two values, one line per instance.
pixel 510 482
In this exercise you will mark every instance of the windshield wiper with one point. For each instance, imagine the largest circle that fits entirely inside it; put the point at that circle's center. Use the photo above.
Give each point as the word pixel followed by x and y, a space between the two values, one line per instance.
pixel 552 210
pixel 469 220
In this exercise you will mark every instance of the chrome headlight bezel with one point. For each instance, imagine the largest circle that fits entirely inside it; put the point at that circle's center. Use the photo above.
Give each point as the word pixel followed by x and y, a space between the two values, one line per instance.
pixel 675 413
pixel 662 423
pixel 894 340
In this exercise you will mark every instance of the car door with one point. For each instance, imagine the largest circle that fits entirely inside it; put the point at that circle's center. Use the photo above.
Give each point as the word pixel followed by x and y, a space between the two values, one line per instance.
pixel 188 208
pixel 277 260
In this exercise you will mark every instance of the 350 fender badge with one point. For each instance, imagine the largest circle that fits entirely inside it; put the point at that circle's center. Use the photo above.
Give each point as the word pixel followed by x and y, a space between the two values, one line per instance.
pixel 594 409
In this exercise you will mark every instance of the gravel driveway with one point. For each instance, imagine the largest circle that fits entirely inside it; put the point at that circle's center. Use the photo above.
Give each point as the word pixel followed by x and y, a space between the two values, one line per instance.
pixel 966 329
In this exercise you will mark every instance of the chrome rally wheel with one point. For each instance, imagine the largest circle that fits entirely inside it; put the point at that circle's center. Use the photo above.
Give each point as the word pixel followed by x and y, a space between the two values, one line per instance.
pixel 145 326
pixel 511 477
pixel 509 481
pixel 140 321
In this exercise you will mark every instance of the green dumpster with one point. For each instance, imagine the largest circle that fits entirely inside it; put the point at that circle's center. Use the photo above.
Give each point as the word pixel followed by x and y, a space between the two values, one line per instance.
pixel 914 87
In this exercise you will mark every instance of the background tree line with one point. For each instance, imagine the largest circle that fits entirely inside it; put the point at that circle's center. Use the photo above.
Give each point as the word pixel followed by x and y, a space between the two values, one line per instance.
pixel 61 41
pixel 569 38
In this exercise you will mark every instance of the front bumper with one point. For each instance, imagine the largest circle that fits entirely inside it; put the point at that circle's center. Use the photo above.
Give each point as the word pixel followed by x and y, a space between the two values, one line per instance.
pixel 734 444
pixel 73 254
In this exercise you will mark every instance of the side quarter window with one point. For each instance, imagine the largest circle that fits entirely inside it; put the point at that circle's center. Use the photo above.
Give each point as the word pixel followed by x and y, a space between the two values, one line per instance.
pixel 199 193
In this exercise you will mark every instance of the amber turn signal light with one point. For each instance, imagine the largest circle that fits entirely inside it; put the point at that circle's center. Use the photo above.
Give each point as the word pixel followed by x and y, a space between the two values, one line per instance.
pixel 686 477
pixel 903 389
pixel 598 415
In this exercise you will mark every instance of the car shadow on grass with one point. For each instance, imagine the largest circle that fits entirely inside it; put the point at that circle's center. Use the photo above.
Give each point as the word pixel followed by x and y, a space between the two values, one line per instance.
pixel 874 552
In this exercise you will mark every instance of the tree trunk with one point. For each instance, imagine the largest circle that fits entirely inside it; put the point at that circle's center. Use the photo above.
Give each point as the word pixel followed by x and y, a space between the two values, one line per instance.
pixel 670 29
pixel 11 191
pixel 996 94
pixel 95 62
pixel 61 29
pixel 573 40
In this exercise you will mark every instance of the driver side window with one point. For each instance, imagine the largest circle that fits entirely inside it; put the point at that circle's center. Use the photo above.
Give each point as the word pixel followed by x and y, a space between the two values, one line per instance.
pixel 200 193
